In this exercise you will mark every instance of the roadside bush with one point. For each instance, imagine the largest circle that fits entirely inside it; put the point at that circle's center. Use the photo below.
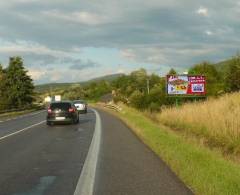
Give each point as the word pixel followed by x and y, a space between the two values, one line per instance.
pixel 137 100
pixel 154 107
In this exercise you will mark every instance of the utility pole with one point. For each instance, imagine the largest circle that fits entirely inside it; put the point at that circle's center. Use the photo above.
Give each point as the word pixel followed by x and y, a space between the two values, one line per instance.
pixel 148 90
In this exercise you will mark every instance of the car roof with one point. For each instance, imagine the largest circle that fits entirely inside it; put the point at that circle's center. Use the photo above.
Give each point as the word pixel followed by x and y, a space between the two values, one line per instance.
pixel 79 101
pixel 57 102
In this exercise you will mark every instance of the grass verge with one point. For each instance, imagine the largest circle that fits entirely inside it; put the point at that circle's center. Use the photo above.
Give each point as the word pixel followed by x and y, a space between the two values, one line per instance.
pixel 204 171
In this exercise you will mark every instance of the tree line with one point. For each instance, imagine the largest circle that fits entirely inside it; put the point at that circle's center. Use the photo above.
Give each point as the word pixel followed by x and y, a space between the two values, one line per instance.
pixel 148 91
pixel 139 89
pixel 143 91
pixel 16 86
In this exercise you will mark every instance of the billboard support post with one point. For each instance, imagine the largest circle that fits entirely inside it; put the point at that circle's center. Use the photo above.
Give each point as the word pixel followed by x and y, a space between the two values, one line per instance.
pixel 177 102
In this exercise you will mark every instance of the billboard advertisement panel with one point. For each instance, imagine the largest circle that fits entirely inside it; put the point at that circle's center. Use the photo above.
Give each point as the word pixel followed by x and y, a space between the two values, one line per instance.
pixel 186 85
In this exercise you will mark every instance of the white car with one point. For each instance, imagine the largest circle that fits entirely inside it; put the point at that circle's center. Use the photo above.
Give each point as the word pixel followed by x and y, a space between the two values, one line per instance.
pixel 81 106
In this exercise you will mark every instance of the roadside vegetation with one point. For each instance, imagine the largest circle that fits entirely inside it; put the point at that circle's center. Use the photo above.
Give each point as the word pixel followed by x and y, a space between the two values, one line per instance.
pixel 16 86
pixel 204 171
pixel 91 91
pixel 145 91
pixel 215 122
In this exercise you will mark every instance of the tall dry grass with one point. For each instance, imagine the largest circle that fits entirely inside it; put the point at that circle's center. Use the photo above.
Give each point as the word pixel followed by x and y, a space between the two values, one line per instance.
pixel 217 120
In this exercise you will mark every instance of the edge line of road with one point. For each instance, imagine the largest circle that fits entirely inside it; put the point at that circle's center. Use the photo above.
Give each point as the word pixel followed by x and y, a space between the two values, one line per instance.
pixel 19 131
pixel 85 185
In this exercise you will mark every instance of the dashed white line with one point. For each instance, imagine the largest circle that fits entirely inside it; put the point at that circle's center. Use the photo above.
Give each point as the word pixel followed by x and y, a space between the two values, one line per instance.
pixel 21 130
pixel 22 116
pixel 34 113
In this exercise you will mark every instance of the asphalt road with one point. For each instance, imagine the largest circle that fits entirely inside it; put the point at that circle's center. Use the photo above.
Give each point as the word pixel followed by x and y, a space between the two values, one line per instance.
pixel 42 159
pixel 36 159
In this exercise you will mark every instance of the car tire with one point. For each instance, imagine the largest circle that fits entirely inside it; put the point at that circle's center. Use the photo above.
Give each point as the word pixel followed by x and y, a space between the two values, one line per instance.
pixel 49 123
pixel 76 121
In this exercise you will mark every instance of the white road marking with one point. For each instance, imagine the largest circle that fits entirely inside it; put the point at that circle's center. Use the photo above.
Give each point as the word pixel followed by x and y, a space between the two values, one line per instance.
pixel 34 113
pixel 19 131
pixel 85 185
pixel 22 116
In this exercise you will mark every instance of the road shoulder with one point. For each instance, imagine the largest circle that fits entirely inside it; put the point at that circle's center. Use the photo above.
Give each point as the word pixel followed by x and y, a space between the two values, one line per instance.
pixel 127 166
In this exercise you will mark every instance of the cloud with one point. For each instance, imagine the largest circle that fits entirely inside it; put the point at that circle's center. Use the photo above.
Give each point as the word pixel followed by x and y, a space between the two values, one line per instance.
pixel 128 53
pixel 203 11
pixel 41 75
pixel 84 65
pixel 82 17
pixel 36 74
pixel 162 56
pixel 55 33
pixel 21 47
pixel 208 32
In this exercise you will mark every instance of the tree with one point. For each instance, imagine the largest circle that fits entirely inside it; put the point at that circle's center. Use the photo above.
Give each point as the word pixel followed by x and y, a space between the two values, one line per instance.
pixel 172 72
pixel 2 88
pixel 139 80
pixel 233 74
pixel 1 73
pixel 214 83
pixel 19 85
pixel 138 100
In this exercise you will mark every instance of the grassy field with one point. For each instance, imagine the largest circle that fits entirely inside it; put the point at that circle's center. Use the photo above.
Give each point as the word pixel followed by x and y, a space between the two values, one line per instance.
pixel 216 122
pixel 204 171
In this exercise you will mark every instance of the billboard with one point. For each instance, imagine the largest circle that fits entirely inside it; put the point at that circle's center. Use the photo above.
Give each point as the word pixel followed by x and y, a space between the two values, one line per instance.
pixel 186 85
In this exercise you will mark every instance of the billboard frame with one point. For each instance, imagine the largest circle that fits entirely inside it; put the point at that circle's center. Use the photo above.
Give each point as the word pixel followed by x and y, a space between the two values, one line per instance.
pixel 184 95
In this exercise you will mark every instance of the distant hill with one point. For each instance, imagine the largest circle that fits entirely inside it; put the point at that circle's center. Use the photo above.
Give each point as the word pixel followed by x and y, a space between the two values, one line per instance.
pixel 53 86
pixel 110 77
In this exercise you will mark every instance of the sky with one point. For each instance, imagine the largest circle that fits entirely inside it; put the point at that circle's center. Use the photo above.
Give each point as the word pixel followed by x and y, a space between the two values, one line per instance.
pixel 75 40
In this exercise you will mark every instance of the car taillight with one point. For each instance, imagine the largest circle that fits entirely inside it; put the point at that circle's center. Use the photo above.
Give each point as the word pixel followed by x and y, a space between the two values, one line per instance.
pixel 49 110
pixel 71 110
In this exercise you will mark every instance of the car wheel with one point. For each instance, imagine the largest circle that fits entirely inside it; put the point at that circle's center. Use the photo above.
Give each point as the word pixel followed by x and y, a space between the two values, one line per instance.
pixel 76 121
pixel 49 123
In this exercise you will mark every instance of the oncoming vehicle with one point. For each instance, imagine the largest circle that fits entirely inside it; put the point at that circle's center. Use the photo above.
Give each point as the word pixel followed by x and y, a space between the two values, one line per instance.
pixel 81 106
pixel 62 112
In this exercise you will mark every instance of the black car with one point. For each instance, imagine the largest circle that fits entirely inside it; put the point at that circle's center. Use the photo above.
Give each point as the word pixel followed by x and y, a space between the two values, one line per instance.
pixel 81 106
pixel 62 112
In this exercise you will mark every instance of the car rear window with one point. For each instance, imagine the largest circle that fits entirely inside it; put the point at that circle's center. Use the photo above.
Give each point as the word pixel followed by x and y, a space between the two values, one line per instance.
pixel 62 106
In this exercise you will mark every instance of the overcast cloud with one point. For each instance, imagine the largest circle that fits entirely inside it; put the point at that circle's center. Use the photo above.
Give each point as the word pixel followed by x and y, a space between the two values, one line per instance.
pixel 87 39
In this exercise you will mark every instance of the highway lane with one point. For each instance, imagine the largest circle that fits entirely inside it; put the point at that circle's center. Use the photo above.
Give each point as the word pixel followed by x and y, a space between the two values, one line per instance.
pixel 42 159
